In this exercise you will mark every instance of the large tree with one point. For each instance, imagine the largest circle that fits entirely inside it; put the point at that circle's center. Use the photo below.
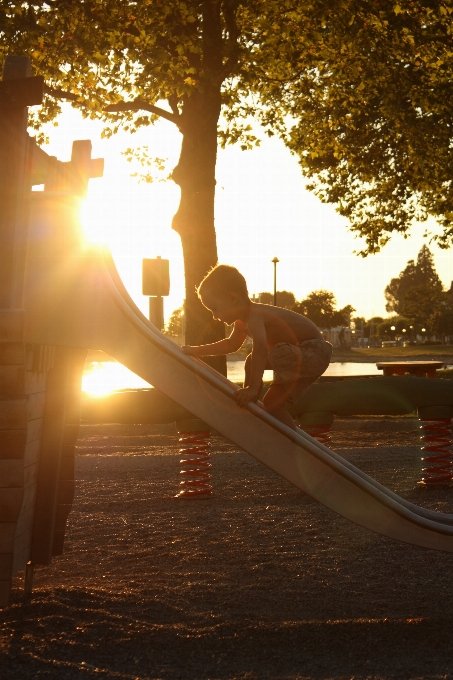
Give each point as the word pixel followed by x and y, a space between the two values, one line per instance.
pixel 371 102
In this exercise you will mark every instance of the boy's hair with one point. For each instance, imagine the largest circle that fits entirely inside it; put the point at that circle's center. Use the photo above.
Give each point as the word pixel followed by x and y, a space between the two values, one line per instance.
pixel 223 279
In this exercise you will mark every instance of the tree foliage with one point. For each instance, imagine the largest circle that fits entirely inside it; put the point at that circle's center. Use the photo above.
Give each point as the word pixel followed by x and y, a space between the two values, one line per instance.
pixel 174 326
pixel 371 99
pixel 370 326
pixel 416 293
pixel 320 307
pixel 397 326
pixel 441 322
pixel 285 299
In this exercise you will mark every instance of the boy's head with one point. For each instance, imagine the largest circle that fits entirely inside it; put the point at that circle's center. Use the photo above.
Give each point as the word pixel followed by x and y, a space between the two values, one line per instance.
pixel 223 291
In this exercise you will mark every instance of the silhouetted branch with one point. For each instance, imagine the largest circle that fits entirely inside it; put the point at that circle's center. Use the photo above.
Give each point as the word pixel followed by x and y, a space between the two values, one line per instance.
pixel 60 94
pixel 138 105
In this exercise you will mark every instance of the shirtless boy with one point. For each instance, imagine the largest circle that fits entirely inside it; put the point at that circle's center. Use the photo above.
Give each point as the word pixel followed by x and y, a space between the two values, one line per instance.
pixel 284 341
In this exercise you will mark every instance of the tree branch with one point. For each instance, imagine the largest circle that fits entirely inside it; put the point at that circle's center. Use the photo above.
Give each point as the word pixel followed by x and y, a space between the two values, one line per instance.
pixel 60 94
pixel 138 105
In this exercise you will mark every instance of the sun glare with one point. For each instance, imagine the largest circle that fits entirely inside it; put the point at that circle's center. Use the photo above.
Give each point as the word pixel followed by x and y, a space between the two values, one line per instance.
pixel 103 377
pixel 94 227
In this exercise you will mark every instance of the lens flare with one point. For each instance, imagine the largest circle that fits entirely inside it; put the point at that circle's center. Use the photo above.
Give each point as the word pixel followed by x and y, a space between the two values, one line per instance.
pixel 103 377
pixel 92 219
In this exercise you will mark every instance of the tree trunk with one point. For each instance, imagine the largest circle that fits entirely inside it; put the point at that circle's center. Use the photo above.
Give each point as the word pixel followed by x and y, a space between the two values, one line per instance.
pixel 194 220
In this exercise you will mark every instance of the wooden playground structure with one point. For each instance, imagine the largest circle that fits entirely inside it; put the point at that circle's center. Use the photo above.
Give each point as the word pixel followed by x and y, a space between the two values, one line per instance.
pixel 39 384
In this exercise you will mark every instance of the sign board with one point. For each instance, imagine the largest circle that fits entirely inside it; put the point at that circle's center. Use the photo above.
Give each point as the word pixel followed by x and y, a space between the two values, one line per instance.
pixel 155 277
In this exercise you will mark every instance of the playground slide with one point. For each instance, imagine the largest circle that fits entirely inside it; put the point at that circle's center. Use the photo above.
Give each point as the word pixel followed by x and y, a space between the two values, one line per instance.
pixel 75 297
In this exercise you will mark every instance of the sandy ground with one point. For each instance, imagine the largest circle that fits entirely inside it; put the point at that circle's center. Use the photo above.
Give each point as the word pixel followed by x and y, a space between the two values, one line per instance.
pixel 259 581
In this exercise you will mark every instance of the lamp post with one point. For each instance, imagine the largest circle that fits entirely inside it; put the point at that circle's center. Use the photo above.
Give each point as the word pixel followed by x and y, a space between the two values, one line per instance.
pixel 275 260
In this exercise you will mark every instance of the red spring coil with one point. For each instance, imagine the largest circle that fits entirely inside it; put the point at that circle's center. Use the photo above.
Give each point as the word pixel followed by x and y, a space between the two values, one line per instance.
pixel 319 432
pixel 196 477
pixel 437 435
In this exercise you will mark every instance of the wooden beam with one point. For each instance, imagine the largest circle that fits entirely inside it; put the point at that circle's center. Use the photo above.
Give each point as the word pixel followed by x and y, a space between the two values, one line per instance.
pixel 12 382
pixel 21 92
pixel 82 167
pixel 12 443
pixel 49 467
pixel 12 353
pixel 12 323
pixel 14 185
pixel 13 414
pixel 42 165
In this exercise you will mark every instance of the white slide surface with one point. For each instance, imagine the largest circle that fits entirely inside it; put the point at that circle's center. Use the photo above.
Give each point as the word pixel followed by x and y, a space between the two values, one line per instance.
pixel 74 297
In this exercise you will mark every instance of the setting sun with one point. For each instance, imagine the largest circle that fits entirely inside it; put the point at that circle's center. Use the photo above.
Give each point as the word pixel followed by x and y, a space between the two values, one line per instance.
pixel 102 377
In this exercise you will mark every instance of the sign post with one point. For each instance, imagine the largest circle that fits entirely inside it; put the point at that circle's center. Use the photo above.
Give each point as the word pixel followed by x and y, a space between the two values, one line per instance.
pixel 156 284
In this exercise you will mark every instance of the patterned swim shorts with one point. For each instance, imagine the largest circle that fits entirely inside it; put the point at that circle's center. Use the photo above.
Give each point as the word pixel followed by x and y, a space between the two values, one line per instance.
pixel 296 367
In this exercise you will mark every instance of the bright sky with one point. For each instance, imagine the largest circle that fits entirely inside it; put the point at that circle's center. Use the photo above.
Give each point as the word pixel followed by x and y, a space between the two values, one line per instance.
pixel 262 211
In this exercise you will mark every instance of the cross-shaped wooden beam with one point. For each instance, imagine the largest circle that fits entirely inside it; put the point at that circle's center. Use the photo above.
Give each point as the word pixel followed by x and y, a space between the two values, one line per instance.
pixel 82 167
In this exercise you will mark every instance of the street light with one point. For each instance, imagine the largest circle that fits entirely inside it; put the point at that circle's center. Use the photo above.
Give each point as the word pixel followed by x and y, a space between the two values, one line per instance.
pixel 275 260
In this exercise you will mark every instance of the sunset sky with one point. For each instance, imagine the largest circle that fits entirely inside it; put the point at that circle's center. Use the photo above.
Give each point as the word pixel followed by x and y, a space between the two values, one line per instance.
pixel 262 211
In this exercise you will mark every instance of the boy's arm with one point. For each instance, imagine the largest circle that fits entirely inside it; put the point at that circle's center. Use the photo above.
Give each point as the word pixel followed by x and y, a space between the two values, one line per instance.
pixel 257 332
pixel 230 344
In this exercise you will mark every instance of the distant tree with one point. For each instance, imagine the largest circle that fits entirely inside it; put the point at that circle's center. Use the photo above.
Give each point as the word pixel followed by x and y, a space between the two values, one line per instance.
pixel 342 317
pixel 320 307
pixel 441 322
pixel 284 299
pixel 174 327
pixel 358 321
pixel 417 291
pixel 401 324
pixel 372 325
pixel 369 326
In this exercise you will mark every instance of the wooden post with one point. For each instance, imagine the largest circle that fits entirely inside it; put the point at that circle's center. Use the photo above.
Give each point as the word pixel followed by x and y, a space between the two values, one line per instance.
pixel 66 483
pixel 17 91
pixel 14 174
pixel 14 497
pixel 49 463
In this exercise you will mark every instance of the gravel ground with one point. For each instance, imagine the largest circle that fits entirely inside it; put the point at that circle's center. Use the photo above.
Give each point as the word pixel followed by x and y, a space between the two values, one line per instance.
pixel 259 581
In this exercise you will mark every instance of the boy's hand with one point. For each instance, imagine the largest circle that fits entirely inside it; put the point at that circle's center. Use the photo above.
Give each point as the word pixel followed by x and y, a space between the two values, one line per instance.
pixel 245 395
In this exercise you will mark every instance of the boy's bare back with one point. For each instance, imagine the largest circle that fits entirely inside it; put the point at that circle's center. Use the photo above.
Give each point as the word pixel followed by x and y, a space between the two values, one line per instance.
pixel 280 325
